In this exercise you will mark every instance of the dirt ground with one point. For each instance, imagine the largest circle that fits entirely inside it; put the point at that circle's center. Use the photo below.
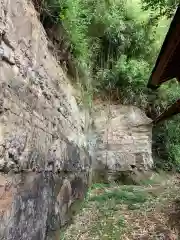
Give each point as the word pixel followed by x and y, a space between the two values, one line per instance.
pixel 148 211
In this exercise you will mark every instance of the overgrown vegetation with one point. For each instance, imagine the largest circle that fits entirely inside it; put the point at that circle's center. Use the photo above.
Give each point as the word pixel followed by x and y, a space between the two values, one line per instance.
pixel 114 45
pixel 166 136
pixel 162 7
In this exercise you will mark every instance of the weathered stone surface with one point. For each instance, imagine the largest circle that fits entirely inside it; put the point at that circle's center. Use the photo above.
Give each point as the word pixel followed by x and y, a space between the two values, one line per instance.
pixel 124 135
pixel 44 162
pixel 42 146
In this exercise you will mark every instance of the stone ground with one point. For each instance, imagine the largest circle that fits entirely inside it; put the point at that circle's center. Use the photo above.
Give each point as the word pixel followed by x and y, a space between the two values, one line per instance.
pixel 148 211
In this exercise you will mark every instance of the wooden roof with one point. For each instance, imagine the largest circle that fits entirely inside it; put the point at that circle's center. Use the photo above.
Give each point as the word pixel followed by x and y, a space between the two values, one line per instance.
pixel 167 65
pixel 168 62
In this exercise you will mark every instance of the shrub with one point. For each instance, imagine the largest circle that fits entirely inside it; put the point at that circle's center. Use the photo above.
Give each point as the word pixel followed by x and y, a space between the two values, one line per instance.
pixel 121 196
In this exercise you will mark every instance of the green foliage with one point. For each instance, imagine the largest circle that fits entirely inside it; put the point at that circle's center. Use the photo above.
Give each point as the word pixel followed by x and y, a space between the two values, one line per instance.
pixel 100 186
pixel 167 134
pixel 169 92
pixel 121 196
pixel 115 45
pixel 162 7
pixel 167 145
pixel 75 18
pixel 49 11
pixel 107 39
pixel 122 61
pixel 173 142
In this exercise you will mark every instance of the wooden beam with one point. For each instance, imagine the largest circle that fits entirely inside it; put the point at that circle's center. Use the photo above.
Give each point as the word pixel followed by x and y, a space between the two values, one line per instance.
pixel 171 111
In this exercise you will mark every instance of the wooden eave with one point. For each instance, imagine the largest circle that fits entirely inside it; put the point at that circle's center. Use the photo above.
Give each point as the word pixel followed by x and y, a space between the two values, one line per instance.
pixel 168 62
